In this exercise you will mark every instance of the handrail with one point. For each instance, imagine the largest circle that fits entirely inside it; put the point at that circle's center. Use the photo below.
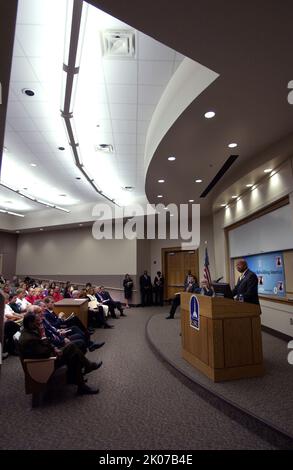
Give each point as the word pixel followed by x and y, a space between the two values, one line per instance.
pixel 80 284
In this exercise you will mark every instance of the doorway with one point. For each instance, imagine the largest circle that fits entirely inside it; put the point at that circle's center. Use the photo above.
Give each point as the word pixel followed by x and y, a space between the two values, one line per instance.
pixel 176 263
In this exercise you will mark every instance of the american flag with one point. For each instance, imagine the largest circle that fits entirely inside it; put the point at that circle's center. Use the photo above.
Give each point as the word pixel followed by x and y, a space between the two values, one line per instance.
pixel 206 269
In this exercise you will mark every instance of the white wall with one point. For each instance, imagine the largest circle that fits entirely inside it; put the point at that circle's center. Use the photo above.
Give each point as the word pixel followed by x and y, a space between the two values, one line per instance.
pixel 274 315
pixel 74 251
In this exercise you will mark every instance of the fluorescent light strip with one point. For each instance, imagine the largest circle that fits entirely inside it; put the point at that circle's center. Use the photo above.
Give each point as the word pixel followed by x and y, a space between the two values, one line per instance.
pixel 11 213
pixel 34 199
pixel 72 69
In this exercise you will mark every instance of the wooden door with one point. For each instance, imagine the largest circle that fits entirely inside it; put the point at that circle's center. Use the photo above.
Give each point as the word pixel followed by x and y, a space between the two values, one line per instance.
pixel 176 265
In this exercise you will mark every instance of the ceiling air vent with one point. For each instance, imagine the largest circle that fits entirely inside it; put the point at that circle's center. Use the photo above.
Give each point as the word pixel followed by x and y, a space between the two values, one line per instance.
pixel 107 148
pixel 118 43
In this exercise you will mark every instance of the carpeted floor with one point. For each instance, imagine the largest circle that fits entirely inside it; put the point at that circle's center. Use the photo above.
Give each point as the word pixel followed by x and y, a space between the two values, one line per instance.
pixel 270 397
pixel 141 404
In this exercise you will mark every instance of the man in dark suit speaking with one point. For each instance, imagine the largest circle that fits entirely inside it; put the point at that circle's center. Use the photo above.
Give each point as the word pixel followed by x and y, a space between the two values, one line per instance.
pixel 246 287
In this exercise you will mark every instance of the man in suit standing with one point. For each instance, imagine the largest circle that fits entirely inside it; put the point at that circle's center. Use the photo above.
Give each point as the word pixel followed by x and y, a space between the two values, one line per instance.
pixel 159 289
pixel 145 289
pixel 246 287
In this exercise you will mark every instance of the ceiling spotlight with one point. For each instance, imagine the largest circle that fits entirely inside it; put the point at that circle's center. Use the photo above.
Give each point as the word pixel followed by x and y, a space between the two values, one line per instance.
pixel 160 195
pixel 198 181
pixel 80 225
pixel 223 205
pixel 78 178
pixel 17 231
pixel 171 159
pixel 191 200
pixel 209 114
pixel 267 170
pixel 41 229
pixel 171 215
pixel 234 197
pixel 28 92
pixel 33 164
pixel 233 145
pixel 62 195
pixel 61 148
pixel 161 181
pixel 249 185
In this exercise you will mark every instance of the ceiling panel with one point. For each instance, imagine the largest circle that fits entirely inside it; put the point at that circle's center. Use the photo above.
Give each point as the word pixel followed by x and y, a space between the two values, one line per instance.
pixel 122 72
pixel 120 126
pixel 22 71
pixel 16 109
pixel 125 139
pixel 154 73
pixel 145 112
pixel 122 94
pixel 149 94
pixel 125 111
pixel 22 124
pixel 153 50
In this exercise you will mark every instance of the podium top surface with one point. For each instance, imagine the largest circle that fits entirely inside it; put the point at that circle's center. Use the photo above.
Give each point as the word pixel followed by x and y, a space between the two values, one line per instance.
pixel 220 307
pixel 70 302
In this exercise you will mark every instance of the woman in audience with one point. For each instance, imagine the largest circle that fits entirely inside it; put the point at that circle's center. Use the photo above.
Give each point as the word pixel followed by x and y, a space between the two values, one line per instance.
pixel 128 286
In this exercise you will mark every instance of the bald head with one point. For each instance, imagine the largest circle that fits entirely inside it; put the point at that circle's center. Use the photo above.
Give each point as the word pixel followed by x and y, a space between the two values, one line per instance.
pixel 241 266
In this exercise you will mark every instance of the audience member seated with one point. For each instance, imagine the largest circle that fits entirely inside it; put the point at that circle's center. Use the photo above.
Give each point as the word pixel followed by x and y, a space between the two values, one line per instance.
pixel 96 316
pixel 30 297
pixel 33 344
pixel 105 298
pixel 57 295
pixel 73 325
pixel 10 327
pixel 21 304
pixel 91 294
pixel 190 286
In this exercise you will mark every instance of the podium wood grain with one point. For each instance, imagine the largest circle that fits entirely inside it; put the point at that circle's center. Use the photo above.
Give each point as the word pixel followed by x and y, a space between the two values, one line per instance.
pixel 78 306
pixel 228 344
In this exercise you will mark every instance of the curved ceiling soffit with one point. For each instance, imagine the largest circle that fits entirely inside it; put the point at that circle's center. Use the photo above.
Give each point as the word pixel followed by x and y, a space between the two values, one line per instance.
pixel 188 82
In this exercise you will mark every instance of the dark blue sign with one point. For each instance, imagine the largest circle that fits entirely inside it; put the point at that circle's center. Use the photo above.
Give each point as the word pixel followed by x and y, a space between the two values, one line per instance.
pixel 194 312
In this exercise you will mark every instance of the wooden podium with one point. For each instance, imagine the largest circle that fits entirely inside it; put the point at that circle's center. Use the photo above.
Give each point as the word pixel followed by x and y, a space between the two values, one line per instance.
pixel 228 344
pixel 78 306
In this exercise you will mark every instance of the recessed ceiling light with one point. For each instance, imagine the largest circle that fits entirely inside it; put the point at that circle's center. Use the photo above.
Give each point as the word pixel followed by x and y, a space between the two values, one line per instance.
pixel 198 181
pixel 17 231
pixel 28 92
pixel 171 159
pixel 166 208
pixel 5 149
pixel 249 185
pixel 8 202
pixel 160 195
pixel 61 148
pixel 223 205
pixel 238 199
pixel 80 225
pixel 33 164
pixel 209 114
pixel 234 197
pixel 267 170
pixel 62 195
pixel 191 200
pixel 171 215
pixel 161 181
pixel 25 189
pixel 41 229
pixel 232 145
pixel 78 178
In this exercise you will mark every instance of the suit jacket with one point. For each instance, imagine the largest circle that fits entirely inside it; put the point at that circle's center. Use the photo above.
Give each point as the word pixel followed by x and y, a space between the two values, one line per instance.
pixel 248 287
pixel 53 319
pixel 145 282
pixel 31 346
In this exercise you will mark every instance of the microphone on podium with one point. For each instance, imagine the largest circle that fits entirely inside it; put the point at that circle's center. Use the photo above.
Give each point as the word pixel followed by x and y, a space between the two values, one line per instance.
pixel 220 278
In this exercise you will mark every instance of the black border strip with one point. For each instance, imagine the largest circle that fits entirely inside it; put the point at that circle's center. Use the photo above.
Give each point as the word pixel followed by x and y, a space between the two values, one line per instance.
pixel 229 162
